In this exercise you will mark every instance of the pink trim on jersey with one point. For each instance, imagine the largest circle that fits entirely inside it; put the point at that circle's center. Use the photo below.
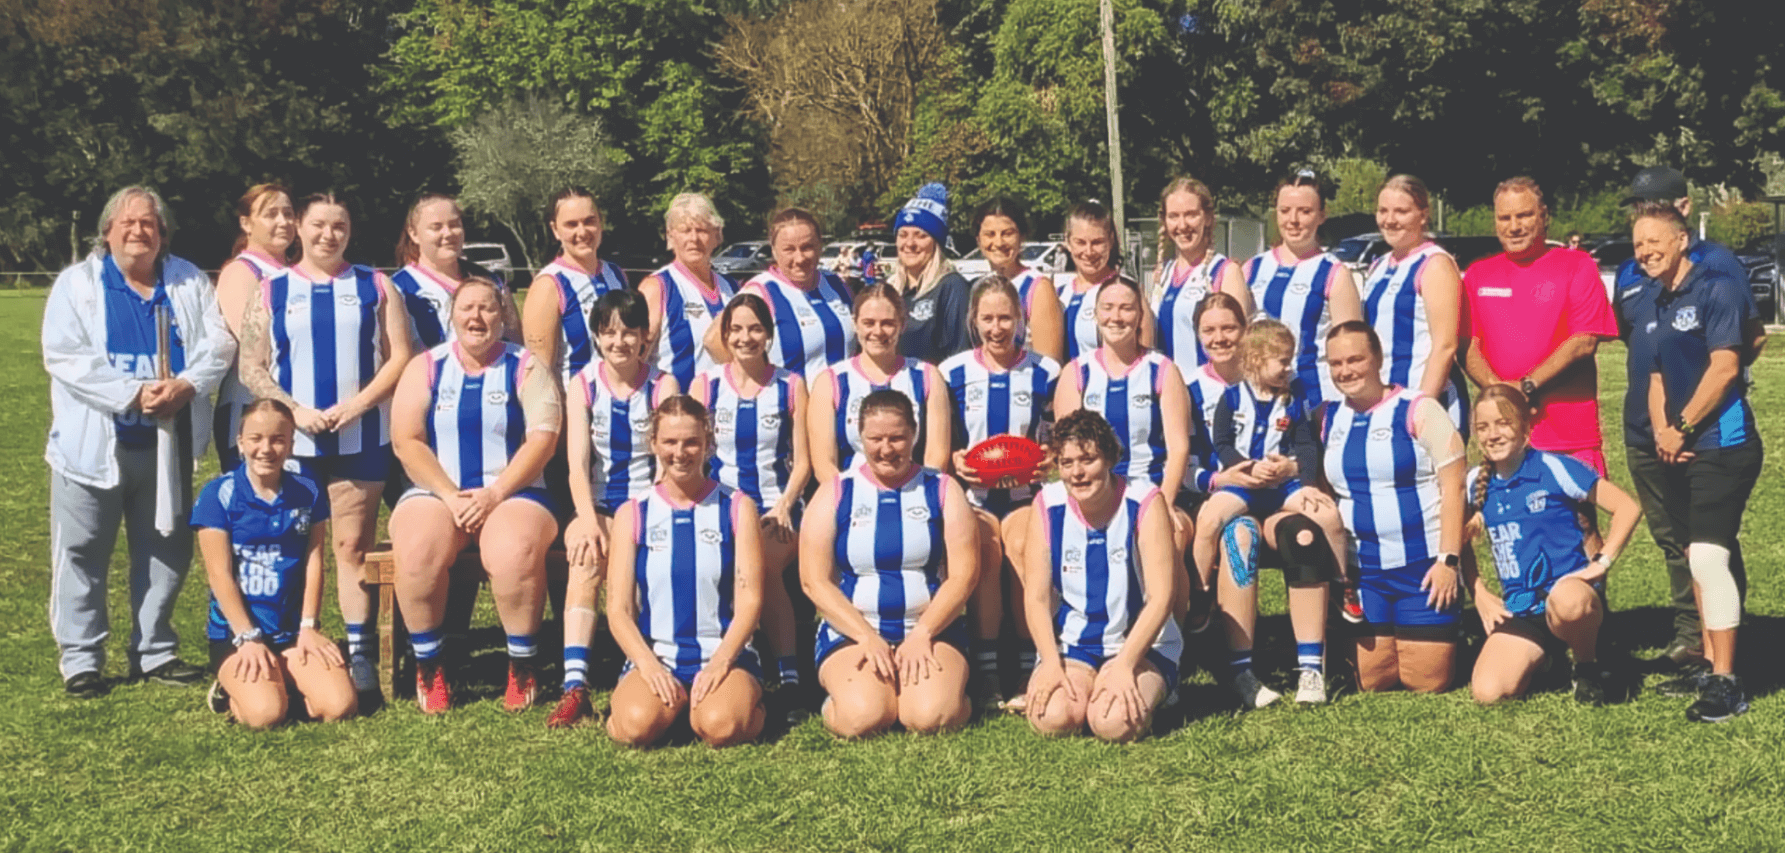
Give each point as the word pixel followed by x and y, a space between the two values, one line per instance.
pixel 794 383
pixel 433 374
pixel 868 473
pixel 657 395
pixel 662 492
pixel 710 293
pixel 1208 369
pixel 271 261
pixel 469 362
pixel 1126 369
pixel 1121 487
pixel 1332 274
pixel 1076 278
pixel 1140 515
pixel 582 382
pixel 1388 395
pixel 638 519
pixel 1412 412
pixel 1047 530
pixel 448 285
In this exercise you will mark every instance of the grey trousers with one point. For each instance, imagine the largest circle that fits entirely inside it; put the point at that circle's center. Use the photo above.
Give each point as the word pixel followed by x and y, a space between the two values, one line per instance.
pixel 84 525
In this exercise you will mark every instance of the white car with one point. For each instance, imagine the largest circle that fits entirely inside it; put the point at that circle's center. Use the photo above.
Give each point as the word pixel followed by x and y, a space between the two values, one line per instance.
pixel 1045 256
pixel 490 256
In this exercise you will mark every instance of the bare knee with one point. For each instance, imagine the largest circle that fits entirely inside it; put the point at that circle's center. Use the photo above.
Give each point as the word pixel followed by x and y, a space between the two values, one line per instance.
pixel 1429 680
pixel 934 715
pixel 1572 602
pixel 1488 690
pixel 1057 722
pixel 858 716
pixel 259 709
pixel 721 726
pixel 1113 729
pixel 635 724
pixel 333 706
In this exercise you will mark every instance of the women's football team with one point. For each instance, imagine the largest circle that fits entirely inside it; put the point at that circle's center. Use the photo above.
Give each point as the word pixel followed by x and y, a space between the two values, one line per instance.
pixel 693 438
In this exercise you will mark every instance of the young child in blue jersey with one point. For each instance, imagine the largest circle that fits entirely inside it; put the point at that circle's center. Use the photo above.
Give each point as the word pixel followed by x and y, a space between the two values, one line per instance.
pixel 1550 590
pixel 260 530
pixel 1264 424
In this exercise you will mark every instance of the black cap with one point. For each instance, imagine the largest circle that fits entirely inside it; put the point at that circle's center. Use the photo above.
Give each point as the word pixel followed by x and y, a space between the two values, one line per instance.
pixel 1657 183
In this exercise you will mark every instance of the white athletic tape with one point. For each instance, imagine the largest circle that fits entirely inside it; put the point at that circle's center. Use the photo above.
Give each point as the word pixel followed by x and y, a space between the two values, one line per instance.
pixel 1718 599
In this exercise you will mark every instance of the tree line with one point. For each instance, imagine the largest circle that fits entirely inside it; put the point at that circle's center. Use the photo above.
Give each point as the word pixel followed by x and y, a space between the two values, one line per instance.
pixel 847 106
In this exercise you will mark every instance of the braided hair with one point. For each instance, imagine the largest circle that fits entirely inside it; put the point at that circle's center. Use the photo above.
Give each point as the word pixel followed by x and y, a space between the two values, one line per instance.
pixel 1520 406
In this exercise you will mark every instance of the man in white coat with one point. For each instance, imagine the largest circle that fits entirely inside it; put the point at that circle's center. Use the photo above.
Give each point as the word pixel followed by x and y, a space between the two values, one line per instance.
pixel 135 345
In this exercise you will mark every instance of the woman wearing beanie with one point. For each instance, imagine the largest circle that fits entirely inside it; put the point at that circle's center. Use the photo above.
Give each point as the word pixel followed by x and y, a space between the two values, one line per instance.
pixel 936 325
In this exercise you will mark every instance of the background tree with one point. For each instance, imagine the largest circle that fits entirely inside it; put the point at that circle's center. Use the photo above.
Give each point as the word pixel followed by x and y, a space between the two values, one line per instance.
pixel 511 159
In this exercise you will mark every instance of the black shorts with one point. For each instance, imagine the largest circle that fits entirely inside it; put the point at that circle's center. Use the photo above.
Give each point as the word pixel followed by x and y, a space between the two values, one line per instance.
pixel 1719 482
pixel 222 649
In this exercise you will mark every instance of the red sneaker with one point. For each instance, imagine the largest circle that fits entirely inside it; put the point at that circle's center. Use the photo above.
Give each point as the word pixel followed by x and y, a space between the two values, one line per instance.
pixel 523 686
pixel 1350 607
pixel 432 692
pixel 572 710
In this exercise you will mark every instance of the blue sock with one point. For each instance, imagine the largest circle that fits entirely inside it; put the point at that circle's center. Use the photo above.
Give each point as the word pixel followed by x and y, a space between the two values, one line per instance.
pixel 788 669
pixel 356 638
pixel 426 644
pixel 576 666
pixel 521 646
pixel 1311 656
pixel 1238 661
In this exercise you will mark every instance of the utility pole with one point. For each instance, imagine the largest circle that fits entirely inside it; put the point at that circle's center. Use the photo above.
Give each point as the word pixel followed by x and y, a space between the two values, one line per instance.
pixel 1107 13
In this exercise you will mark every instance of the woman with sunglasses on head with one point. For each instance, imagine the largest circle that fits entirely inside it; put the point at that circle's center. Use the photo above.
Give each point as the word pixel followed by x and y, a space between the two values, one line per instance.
pixel 329 339
pixel 1000 226
pixel 1096 253
pixel 997 388
pixel 833 420
pixel 1300 284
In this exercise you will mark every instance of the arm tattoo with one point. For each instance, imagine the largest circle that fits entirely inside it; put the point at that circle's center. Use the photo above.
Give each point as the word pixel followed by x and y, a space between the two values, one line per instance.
pixel 251 362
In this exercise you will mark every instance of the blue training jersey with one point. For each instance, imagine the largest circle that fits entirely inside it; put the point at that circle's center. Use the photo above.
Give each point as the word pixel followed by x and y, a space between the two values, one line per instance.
pixel 268 542
pixel 1531 527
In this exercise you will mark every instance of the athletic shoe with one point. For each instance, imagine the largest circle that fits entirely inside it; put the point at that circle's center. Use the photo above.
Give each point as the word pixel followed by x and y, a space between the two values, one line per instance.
pixel 216 699
pixel 573 709
pixel 86 685
pixel 1171 699
pixel 1690 684
pixel 1683 652
pixel 1349 606
pixel 176 672
pixel 1253 694
pixel 1722 698
pixel 363 674
pixel 1590 680
pixel 1019 704
pixel 790 703
pixel 432 692
pixel 1311 688
pixel 523 686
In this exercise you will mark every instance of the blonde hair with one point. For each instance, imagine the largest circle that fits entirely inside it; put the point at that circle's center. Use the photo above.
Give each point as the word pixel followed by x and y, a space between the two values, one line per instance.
pixel 1520 405
pixel 1413 187
pixel 1264 338
pixel 695 206
pixel 1167 250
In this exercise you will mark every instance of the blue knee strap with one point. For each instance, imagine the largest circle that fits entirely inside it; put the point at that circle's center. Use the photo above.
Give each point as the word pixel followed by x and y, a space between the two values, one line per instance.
pixel 1242 565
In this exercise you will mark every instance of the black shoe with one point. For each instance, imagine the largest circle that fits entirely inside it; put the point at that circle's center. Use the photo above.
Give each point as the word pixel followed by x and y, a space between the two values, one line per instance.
pixel 983 693
pixel 790 703
pixel 216 699
pixel 86 685
pixel 1590 680
pixel 176 672
pixel 1690 684
pixel 1683 652
pixel 1722 699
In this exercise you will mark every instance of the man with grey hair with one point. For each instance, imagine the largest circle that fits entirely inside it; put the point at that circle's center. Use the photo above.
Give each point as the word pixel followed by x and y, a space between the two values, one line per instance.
pixel 134 344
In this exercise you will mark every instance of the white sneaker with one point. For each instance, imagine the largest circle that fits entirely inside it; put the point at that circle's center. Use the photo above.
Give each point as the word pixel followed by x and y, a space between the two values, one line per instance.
pixel 1253 694
pixel 363 674
pixel 1311 690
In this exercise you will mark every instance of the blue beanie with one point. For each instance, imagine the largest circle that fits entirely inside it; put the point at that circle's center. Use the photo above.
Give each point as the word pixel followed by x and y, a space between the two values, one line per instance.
pixel 928 211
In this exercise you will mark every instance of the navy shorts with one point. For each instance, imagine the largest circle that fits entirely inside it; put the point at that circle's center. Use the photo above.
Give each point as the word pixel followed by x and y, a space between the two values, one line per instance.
pixel 747 660
pixel 1395 605
pixel 1260 503
pixel 366 466
pixel 830 640
pixel 1167 668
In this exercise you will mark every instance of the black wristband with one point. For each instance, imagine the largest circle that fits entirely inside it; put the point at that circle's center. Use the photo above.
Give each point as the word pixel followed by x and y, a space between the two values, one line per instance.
pixel 1528 387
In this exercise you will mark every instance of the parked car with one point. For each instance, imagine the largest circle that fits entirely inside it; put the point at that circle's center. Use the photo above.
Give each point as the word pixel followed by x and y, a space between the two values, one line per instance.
pixel 490 256
pixel 744 259
pixel 1360 251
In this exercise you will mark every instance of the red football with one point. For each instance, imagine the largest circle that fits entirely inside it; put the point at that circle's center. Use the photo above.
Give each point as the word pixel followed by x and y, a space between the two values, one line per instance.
pixel 1005 461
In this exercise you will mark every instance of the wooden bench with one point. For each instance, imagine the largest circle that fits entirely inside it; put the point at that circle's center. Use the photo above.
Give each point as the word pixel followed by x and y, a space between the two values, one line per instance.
pixel 380 571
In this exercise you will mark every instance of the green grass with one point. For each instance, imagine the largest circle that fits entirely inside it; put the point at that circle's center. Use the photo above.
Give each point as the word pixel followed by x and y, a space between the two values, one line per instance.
pixel 149 768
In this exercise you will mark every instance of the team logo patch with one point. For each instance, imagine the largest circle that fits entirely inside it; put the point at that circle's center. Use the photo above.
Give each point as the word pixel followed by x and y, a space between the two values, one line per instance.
pixel 1382 434
pixel 1282 423
pixel 434 303
pixel 1650 327
pixel 771 421
pixel 1094 401
pixel 1536 501
pixel 1686 319
pixel 641 425
pixel 924 310
pixel 976 394
pixel 1118 555
pixel 1021 398
pixel 300 520
pixel 694 311
pixel 1141 401
pixel 1298 288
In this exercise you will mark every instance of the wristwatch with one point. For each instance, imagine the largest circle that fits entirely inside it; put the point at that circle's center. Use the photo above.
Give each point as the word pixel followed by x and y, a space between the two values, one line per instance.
pixel 307 622
pixel 1686 429
pixel 252 635
pixel 1449 560
pixel 1601 559
pixel 1529 387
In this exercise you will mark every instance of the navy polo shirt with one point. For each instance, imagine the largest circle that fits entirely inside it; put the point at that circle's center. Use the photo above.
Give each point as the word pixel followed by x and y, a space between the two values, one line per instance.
pixel 1633 298
pixel 268 542
pixel 131 344
pixel 1686 325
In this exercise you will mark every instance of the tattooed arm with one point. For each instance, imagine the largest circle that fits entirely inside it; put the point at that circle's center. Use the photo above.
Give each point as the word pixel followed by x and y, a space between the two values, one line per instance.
pixel 255 367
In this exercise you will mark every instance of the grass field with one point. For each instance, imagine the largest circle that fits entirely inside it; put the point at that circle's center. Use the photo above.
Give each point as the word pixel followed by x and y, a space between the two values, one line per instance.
pixel 148 768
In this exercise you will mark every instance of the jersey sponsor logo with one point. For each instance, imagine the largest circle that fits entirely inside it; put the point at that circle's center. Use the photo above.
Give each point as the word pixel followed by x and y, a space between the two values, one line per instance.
pixel 1074 561
pixel 917 513
pixel 923 310
pixel 1495 291
pixel 710 537
pixel 1536 501
pixel 496 398
pixel 1094 400
pixel 863 511
pixel 658 539
pixel 448 399
pixel 975 393
pixel 348 299
pixel 1686 319
pixel 1504 540
pixel 805 316
pixel 724 417
pixel 1141 401
pixel 296 303
pixel 1382 434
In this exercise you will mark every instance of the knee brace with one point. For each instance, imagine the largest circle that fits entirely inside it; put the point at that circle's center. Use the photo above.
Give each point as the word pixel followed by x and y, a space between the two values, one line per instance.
pixel 1307 558
pixel 1242 560
pixel 1720 602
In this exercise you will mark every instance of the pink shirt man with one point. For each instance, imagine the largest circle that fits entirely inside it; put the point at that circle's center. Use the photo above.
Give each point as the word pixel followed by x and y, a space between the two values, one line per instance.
pixel 1520 312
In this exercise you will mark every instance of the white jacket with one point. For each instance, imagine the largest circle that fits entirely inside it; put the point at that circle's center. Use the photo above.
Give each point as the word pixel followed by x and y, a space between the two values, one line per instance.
pixel 87 392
